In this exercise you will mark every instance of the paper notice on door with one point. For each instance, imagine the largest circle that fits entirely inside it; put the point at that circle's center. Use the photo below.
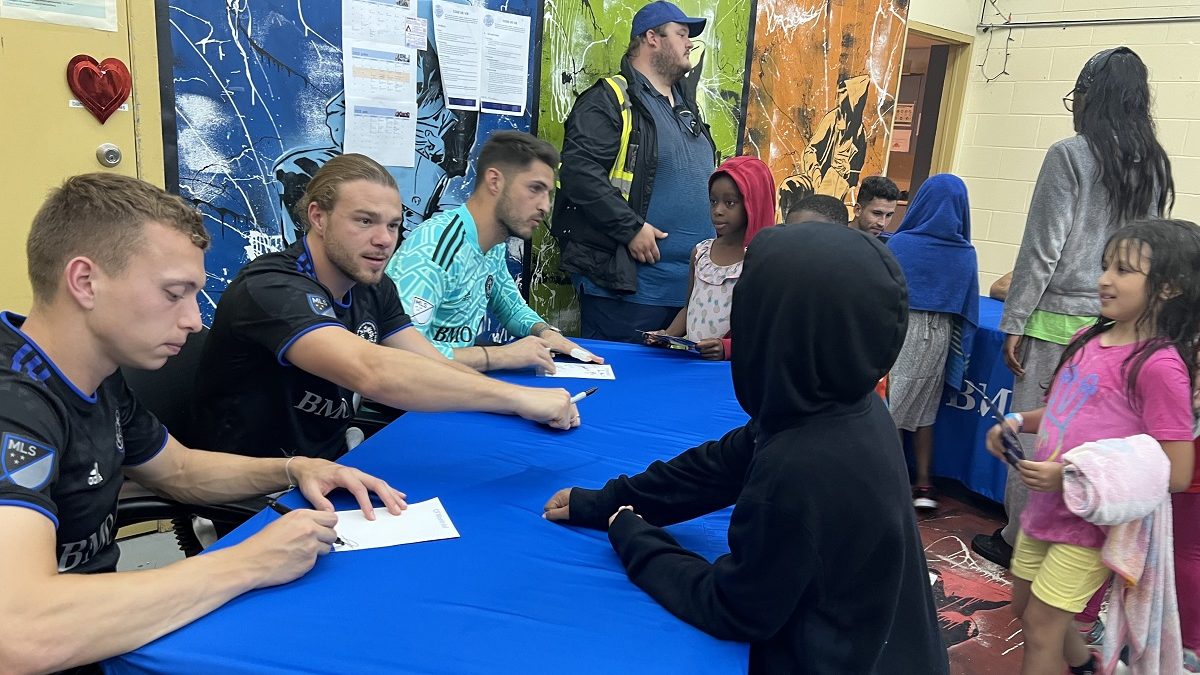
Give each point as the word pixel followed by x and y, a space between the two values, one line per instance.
pixel 98 14
pixel 423 521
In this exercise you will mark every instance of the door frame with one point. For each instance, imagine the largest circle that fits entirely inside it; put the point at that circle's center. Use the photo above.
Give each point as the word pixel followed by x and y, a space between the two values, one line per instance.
pixel 954 91
pixel 140 17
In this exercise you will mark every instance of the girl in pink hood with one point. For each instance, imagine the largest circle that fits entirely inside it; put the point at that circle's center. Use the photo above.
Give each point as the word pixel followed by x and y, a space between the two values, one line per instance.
pixel 741 197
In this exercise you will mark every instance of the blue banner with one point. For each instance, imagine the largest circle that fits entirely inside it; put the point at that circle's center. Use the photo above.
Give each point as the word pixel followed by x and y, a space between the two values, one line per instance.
pixel 964 418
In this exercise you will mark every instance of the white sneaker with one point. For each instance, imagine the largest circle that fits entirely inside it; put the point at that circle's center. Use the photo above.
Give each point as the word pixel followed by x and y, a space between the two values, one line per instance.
pixel 922 496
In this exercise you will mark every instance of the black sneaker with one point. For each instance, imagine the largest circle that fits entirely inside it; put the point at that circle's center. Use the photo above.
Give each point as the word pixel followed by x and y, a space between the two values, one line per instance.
pixel 993 547
pixel 1089 668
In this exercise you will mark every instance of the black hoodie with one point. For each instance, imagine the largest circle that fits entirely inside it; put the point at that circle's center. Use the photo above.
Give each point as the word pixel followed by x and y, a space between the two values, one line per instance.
pixel 826 572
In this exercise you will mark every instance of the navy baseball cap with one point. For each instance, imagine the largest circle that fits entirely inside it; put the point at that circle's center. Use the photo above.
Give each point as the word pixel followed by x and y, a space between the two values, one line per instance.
pixel 657 13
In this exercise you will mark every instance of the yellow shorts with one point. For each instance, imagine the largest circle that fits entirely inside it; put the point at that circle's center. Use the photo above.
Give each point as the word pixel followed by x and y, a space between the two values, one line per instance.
pixel 1064 576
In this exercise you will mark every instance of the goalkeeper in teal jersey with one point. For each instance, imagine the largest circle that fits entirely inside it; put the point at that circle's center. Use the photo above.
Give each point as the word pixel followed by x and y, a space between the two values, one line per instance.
pixel 451 269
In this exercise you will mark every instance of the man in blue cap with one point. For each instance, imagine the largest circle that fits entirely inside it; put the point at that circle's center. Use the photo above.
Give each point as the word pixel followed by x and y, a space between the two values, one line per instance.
pixel 633 195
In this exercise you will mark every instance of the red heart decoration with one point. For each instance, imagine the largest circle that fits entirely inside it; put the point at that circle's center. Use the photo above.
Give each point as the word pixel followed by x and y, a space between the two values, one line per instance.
pixel 101 87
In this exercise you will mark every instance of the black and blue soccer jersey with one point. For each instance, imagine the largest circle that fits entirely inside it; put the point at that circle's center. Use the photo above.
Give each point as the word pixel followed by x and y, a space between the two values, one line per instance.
pixel 448 283
pixel 64 451
pixel 251 400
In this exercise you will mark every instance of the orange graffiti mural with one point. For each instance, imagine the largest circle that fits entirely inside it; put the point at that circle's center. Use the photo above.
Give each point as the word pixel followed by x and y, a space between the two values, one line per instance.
pixel 823 81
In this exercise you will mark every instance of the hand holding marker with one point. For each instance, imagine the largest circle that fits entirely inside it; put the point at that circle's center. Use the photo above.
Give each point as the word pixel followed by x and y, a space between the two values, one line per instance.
pixel 283 510
pixel 583 394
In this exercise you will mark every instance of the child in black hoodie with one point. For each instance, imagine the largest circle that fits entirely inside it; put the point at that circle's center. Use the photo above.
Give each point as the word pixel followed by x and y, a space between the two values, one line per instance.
pixel 826 572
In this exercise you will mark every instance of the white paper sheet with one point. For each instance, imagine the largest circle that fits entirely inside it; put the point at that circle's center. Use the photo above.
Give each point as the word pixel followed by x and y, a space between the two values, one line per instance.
pixel 458 31
pixel 382 130
pixel 376 20
pixel 416 33
pixel 505 63
pixel 379 71
pixel 583 371
pixel 423 521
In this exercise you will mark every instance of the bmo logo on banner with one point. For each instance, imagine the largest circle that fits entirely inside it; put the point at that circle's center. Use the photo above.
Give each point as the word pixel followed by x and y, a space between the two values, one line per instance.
pixel 977 399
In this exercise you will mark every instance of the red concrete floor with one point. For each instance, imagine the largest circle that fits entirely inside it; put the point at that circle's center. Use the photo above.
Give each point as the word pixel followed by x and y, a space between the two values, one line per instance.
pixel 972 594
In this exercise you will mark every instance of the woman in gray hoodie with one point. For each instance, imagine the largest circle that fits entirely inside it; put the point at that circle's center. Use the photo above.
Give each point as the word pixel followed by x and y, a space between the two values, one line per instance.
pixel 1112 171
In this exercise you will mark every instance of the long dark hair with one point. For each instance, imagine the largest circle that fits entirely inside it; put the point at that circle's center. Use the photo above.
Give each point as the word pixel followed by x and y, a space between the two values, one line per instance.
pixel 1115 119
pixel 1172 294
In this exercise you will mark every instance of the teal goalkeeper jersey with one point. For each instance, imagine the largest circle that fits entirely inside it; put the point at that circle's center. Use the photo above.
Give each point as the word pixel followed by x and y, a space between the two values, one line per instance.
pixel 447 283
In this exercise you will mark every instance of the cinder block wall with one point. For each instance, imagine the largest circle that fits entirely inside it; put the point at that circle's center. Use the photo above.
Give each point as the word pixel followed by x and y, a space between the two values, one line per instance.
pixel 1009 122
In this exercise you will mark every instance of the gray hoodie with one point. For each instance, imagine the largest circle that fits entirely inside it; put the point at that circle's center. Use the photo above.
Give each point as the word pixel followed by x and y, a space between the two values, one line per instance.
pixel 1069 220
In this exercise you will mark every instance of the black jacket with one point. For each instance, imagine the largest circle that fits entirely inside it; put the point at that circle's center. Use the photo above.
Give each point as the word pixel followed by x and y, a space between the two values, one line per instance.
pixel 826 573
pixel 591 221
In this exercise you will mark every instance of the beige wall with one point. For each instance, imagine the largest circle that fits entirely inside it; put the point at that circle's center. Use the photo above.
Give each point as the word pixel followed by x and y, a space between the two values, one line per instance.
pixel 1008 123
pixel 960 16
pixel 46 140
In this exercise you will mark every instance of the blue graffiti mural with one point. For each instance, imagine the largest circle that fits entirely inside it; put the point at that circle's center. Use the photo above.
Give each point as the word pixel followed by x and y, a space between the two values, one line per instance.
pixel 259 108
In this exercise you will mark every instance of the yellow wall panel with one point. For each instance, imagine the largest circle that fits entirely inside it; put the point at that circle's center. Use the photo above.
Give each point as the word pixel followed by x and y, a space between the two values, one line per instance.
pixel 45 140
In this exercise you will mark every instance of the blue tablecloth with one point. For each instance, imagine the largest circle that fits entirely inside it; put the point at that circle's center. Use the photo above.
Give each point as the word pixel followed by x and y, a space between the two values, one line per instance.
pixel 964 417
pixel 515 594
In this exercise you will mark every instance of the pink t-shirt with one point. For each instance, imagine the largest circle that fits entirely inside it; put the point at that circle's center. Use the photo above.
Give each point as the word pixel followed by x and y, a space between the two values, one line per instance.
pixel 1088 402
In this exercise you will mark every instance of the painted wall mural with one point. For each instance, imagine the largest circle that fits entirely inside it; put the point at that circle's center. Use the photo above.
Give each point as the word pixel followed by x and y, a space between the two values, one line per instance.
pixel 823 81
pixel 823 76
pixel 582 42
pixel 259 108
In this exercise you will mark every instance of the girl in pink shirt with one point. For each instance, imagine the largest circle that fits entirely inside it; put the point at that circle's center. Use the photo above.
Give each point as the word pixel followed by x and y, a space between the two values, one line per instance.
pixel 1128 374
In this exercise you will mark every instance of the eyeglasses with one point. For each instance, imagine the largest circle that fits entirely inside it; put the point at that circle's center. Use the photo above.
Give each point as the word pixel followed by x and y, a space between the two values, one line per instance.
pixel 1069 100
pixel 689 120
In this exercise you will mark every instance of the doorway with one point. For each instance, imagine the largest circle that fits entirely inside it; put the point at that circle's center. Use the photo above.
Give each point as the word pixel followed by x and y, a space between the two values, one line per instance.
pixel 929 106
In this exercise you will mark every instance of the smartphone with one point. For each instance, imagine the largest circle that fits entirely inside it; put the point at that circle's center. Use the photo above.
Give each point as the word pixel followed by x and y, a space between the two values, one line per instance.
pixel 668 341
pixel 1012 445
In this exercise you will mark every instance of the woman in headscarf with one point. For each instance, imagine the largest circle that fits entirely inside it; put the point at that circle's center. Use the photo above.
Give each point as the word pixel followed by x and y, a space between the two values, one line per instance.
pixel 826 572
pixel 933 247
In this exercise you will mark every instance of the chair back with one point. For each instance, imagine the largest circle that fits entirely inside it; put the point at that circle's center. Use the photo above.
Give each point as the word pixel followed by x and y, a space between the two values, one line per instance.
pixel 169 392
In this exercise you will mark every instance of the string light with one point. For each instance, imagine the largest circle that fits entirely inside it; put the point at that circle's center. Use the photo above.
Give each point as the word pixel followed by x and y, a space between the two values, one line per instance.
pixel 987 53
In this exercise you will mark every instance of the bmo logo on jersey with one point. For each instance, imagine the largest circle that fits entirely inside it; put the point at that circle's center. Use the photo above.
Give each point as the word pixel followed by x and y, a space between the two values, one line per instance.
pixel 453 334
pixel 323 407
pixel 72 554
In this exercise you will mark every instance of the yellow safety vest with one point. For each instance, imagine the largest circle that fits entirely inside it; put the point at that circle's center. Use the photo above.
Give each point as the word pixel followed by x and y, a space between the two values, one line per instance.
pixel 621 174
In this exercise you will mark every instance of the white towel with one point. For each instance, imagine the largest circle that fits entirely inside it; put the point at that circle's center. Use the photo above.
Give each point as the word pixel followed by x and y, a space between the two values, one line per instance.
pixel 1123 483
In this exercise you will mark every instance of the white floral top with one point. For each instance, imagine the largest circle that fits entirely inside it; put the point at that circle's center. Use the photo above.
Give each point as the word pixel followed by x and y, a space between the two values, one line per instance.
pixel 712 296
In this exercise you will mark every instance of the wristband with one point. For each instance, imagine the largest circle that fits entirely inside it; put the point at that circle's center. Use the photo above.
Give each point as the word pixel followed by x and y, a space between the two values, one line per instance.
pixel 287 470
pixel 1018 418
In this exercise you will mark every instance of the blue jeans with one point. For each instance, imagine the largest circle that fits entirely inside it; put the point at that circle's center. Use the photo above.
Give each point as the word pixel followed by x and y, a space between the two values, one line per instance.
pixel 617 321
